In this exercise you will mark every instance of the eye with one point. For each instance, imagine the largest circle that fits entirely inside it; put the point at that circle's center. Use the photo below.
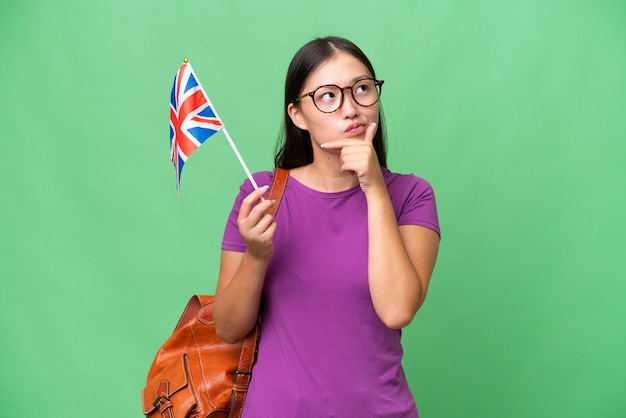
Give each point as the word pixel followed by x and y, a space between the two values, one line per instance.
pixel 363 87
pixel 326 94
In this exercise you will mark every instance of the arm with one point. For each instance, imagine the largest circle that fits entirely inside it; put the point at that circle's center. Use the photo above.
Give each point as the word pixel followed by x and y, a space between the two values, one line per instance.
pixel 400 262
pixel 241 276
pixel 400 259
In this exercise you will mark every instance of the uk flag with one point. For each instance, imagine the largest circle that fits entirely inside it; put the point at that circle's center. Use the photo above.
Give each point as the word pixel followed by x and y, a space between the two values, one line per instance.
pixel 192 118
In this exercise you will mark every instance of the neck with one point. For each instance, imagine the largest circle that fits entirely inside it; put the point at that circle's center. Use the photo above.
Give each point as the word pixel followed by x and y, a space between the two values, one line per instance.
pixel 324 174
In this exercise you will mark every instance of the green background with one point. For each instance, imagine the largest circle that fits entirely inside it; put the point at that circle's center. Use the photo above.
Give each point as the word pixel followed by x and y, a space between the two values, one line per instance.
pixel 513 110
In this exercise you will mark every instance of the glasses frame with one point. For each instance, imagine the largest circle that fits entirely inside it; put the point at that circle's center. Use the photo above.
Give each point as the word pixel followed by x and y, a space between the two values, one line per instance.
pixel 377 84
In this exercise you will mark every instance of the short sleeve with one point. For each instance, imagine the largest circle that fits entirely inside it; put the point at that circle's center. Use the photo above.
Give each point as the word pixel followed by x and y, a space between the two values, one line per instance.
pixel 413 200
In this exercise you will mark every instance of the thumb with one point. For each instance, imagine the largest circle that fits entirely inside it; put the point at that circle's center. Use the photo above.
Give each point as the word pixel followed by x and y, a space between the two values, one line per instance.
pixel 369 133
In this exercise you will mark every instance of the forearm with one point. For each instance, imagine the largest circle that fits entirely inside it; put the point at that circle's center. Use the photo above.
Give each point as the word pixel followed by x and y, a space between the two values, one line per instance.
pixel 236 306
pixel 395 286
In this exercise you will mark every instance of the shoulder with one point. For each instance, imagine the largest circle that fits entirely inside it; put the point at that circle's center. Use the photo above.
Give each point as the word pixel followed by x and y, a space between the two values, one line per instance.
pixel 262 178
pixel 402 185
pixel 413 200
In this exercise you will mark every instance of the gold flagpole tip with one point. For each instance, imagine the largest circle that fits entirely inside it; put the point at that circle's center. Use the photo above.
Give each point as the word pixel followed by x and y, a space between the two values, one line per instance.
pixel 186 60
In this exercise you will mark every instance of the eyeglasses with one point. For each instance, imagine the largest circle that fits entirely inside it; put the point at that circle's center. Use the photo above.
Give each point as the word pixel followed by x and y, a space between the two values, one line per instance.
pixel 329 98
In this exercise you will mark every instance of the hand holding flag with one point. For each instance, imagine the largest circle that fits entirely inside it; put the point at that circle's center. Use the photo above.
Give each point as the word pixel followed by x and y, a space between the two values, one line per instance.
pixel 193 120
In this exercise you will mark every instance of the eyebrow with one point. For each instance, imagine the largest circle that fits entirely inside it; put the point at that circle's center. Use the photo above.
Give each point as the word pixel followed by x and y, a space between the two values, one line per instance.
pixel 354 80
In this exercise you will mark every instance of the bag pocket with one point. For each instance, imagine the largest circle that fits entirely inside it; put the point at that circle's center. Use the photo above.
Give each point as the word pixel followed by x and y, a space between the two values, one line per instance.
pixel 171 392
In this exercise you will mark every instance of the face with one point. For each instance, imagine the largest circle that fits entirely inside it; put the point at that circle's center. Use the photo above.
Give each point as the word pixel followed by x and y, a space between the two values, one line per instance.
pixel 351 119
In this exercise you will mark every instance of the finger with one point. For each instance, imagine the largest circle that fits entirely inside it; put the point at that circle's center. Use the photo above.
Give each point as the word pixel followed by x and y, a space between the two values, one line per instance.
pixel 255 231
pixel 262 231
pixel 370 132
pixel 341 143
pixel 263 225
pixel 268 232
pixel 260 241
pixel 358 159
pixel 260 209
pixel 250 201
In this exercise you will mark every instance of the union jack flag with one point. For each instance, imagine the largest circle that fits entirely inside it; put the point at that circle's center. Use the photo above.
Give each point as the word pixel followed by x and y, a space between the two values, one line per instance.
pixel 192 118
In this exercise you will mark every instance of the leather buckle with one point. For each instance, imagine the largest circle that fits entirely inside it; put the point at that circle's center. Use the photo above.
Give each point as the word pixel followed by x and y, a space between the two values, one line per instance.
pixel 162 399
pixel 246 375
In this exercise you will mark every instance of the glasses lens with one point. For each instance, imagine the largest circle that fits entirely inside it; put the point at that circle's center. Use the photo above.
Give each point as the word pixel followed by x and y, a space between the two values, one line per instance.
pixel 365 92
pixel 327 98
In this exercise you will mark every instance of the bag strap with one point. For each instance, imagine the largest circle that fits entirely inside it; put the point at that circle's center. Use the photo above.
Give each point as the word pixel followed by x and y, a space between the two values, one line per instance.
pixel 250 345
pixel 281 175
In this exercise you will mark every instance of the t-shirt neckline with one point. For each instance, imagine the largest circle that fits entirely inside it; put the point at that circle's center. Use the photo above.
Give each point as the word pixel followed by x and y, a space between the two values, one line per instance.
pixel 327 195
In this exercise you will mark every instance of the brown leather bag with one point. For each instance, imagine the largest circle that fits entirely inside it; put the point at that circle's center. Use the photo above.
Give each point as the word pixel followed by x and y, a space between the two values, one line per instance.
pixel 196 374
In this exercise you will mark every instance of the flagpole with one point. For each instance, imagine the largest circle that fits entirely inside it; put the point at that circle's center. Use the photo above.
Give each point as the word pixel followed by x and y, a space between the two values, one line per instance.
pixel 239 157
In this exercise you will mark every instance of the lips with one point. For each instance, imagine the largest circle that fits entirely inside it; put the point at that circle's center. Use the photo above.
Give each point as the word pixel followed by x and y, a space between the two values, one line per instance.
pixel 355 129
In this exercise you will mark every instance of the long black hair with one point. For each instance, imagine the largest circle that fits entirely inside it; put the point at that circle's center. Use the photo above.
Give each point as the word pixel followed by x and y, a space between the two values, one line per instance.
pixel 294 147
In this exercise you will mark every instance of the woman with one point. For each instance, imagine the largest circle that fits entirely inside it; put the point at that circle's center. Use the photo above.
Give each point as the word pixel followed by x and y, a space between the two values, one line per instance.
pixel 345 264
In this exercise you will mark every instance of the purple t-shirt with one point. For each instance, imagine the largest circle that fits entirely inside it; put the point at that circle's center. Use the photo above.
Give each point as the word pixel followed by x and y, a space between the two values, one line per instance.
pixel 323 350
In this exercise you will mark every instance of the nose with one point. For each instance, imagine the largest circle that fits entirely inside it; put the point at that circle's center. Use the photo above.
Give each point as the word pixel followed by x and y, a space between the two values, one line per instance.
pixel 348 107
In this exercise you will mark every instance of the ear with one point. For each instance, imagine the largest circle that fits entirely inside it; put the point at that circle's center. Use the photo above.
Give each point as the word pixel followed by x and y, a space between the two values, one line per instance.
pixel 295 113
